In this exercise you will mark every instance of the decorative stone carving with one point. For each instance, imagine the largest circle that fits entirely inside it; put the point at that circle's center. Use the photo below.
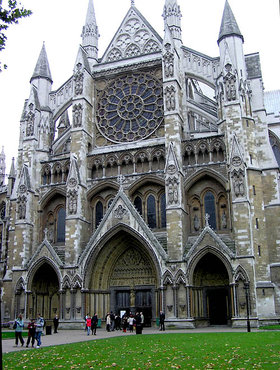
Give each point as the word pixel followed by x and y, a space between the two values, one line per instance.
pixel 173 191
pixel 224 220
pixel 168 60
pixel 72 195
pixel 78 80
pixel 120 212
pixel 77 115
pixel 238 183
pixel 21 207
pixel 30 117
pixel 170 100
pixel 196 223
pixel 230 83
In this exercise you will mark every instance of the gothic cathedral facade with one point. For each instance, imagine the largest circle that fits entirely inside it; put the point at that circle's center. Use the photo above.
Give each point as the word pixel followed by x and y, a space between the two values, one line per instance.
pixel 134 190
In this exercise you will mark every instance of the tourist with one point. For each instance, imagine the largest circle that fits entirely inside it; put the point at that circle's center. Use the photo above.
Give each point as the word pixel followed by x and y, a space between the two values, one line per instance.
pixel 31 333
pixel 124 323
pixel 142 319
pixel 108 322
pixel 112 317
pixel 161 321
pixel 88 324
pixel 94 322
pixel 139 325
pixel 130 323
pixel 18 326
pixel 117 322
pixel 55 323
pixel 39 325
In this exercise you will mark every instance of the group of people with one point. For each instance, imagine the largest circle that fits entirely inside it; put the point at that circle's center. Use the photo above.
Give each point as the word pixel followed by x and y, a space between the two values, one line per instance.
pixel 35 329
pixel 126 322
pixel 91 323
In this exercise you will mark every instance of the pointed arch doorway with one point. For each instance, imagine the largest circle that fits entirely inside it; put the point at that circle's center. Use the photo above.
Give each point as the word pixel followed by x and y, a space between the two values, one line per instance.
pixel 44 297
pixel 211 292
pixel 124 278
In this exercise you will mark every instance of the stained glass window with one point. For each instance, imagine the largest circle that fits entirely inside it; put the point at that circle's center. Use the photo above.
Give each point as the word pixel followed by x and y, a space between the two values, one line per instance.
pixel 151 212
pixel 60 230
pixel 98 213
pixel 138 204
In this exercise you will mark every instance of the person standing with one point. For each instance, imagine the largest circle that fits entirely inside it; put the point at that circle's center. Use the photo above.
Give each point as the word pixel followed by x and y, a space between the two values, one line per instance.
pixel 55 323
pixel 19 324
pixel 39 326
pixel 108 322
pixel 88 324
pixel 94 322
pixel 130 323
pixel 31 333
pixel 142 319
pixel 112 317
pixel 161 320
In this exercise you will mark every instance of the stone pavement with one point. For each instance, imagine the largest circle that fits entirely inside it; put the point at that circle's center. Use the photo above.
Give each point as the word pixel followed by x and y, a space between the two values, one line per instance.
pixel 74 336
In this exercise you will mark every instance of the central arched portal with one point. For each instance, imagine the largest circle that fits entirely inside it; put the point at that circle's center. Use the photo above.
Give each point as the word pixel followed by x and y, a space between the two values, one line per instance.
pixel 124 278
pixel 211 291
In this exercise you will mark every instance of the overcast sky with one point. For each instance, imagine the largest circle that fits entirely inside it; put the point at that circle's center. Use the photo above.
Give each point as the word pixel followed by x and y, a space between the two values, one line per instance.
pixel 59 24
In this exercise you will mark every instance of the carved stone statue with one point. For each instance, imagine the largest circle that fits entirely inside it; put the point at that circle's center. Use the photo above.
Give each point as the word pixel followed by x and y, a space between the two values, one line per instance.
pixel 170 98
pixel 77 115
pixel 78 80
pixel 224 220
pixel 168 60
pixel 196 223
pixel 30 121
pixel 230 84
pixel 21 207
pixel 72 201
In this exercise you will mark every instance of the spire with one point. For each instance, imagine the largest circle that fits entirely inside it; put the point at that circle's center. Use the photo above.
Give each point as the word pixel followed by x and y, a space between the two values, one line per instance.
pixel 229 26
pixel 2 167
pixel 172 18
pixel 90 33
pixel 42 68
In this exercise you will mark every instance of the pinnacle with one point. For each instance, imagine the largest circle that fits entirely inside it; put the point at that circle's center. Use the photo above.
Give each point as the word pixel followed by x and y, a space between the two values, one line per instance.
pixel 42 68
pixel 229 26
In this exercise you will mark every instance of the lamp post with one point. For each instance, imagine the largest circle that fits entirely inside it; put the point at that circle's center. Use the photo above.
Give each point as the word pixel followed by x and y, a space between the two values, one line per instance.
pixel 246 287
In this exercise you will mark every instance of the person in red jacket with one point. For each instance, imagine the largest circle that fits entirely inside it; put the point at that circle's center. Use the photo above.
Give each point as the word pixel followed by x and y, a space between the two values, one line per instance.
pixel 88 324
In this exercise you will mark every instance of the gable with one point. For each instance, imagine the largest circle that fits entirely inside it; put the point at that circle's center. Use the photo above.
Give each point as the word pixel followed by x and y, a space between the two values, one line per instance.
pixel 134 37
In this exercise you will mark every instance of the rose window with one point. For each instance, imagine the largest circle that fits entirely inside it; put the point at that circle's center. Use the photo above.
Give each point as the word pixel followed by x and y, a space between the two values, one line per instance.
pixel 130 108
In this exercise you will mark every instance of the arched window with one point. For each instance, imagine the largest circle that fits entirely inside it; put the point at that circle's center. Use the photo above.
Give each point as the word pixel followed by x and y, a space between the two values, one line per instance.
pixel 275 147
pixel 110 202
pixel 163 210
pixel 209 207
pixel 98 213
pixel 60 229
pixel 151 212
pixel 138 204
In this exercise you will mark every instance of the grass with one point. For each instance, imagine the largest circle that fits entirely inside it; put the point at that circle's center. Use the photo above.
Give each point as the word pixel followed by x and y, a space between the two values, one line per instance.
pixel 11 334
pixel 270 327
pixel 198 351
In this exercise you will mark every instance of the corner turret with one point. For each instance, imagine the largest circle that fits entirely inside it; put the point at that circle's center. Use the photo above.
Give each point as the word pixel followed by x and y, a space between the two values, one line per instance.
pixel 172 18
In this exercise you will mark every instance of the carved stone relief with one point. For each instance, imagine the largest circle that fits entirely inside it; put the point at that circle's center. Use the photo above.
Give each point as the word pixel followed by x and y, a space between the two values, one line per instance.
pixel 170 100
pixel 77 115
pixel 230 84
pixel 72 196
pixel 30 117
pixel 168 60
pixel 78 80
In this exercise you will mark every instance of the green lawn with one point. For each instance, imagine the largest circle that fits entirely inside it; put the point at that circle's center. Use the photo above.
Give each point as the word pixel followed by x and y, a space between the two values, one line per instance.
pixel 198 351
pixel 11 334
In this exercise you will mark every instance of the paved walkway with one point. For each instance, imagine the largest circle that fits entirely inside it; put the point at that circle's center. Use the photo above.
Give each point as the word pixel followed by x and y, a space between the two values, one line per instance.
pixel 74 336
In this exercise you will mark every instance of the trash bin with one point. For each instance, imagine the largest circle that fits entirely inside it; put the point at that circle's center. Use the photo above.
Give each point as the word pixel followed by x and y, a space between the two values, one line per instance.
pixel 99 323
pixel 48 330
pixel 157 321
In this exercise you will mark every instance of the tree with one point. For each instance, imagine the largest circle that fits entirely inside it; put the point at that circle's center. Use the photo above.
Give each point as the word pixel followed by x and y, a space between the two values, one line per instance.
pixel 10 14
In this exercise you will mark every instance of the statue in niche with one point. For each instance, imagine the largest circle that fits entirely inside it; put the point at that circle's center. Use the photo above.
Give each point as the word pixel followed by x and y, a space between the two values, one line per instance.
pixel 173 191
pixel 224 220
pixel 78 80
pixel 230 83
pixel 170 98
pixel 196 223
pixel 168 60
pixel 30 121
pixel 72 201
pixel 77 115
pixel 238 184
pixel 21 207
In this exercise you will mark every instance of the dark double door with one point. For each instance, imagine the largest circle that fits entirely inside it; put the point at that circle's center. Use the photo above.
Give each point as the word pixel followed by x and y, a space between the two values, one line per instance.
pixel 143 303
